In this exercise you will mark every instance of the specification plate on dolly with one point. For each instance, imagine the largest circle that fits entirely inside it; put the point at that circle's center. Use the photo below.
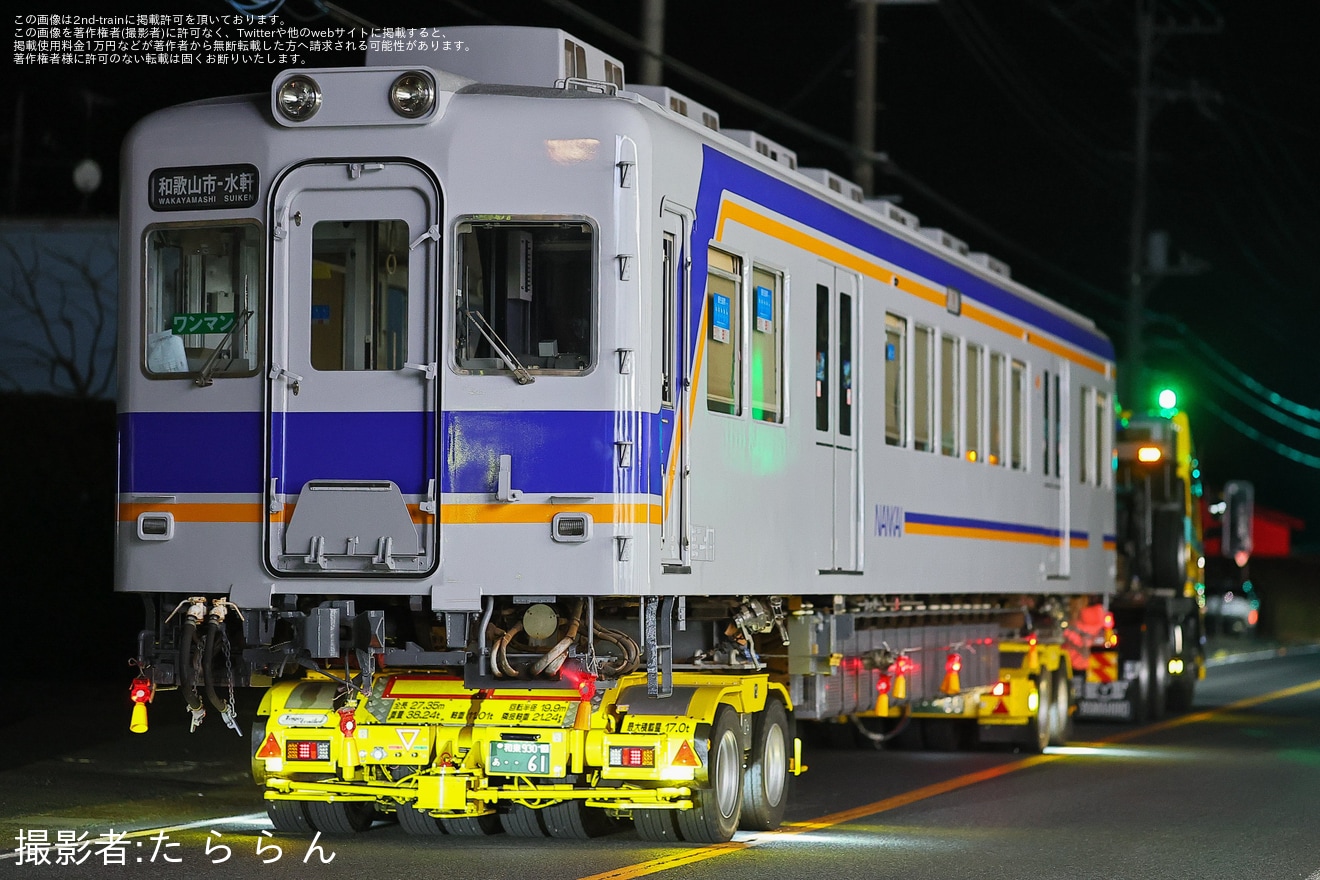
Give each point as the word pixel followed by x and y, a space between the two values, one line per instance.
pixel 519 758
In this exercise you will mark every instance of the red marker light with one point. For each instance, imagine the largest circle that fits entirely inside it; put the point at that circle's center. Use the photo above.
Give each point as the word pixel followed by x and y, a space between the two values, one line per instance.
pixel 347 723
pixel 953 663
pixel 1002 689
pixel 583 682
pixel 140 690
pixel 883 686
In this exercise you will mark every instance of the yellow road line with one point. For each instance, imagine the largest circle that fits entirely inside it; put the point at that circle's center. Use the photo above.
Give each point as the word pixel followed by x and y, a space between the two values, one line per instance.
pixel 683 857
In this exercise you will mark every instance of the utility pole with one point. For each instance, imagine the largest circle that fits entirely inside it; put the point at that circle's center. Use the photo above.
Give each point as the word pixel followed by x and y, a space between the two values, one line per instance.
pixel 653 41
pixel 865 90
pixel 1142 273
pixel 1136 303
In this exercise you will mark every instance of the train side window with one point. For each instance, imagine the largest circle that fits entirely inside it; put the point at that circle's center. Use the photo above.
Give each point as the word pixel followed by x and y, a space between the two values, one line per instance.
pixel 845 365
pixel 949 374
pixel 895 380
pixel 975 369
pixel 525 297
pixel 1053 425
pixel 1017 385
pixel 767 378
pixel 923 388
pixel 202 296
pixel 996 451
pixel 822 357
pixel 359 318
pixel 724 343
pixel 1087 436
pixel 1046 461
pixel 1057 409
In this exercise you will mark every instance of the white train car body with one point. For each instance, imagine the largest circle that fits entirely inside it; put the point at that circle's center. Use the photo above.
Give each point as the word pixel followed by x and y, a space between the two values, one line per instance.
pixel 544 341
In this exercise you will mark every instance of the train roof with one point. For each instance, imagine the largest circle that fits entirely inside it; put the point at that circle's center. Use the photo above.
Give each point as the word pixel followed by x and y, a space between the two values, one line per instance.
pixel 551 57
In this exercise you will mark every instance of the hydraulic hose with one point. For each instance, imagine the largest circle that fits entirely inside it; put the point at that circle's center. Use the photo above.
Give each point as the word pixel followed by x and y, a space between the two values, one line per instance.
pixel 211 637
pixel 188 638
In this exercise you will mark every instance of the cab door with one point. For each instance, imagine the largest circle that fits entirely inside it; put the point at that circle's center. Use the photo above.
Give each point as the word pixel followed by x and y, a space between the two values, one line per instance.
pixel 676 392
pixel 352 396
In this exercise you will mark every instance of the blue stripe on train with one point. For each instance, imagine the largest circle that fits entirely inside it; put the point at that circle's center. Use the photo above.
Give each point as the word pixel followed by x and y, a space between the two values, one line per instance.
pixel 721 173
pixel 964 522
pixel 568 453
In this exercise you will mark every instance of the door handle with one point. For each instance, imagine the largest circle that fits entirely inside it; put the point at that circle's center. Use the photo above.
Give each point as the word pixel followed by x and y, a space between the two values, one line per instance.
pixel 428 370
pixel 278 372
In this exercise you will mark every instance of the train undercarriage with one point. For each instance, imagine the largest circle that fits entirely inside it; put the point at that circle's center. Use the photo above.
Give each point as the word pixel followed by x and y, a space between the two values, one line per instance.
pixel 681 715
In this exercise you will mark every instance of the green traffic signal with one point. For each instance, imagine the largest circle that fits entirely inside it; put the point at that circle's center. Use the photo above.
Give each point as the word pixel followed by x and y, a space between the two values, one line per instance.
pixel 1167 398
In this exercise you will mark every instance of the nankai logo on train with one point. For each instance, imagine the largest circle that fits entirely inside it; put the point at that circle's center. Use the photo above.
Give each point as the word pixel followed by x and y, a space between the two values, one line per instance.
pixel 888 521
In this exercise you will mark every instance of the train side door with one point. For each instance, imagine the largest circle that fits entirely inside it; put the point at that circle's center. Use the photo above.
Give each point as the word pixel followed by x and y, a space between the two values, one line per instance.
pixel 676 392
pixel 352 381
pixel 838 474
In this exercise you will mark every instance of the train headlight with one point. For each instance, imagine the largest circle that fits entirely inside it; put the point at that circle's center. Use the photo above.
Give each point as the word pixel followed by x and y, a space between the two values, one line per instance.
pixel 412 95
pixel 298 98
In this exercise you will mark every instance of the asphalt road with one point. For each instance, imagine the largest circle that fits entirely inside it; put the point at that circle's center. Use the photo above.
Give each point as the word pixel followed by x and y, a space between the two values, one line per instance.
pixel 1230 790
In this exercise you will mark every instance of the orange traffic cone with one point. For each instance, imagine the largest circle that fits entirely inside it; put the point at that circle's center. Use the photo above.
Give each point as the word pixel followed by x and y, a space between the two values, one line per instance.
pixel 951 684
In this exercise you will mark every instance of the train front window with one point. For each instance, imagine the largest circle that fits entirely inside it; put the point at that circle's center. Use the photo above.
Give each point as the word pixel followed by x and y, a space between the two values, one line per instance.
pixel 202 295
pixel 359 317
pixel 525 298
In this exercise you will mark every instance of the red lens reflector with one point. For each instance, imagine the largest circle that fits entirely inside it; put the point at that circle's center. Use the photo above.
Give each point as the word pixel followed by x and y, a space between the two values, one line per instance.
pixel 270 749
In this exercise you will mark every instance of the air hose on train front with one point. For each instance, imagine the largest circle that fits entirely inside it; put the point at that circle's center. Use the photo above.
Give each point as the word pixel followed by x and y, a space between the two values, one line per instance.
pixel 188 641
pixel 215 637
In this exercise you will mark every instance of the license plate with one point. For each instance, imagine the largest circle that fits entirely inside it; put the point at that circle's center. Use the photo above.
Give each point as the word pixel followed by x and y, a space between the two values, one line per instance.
pixel 519 758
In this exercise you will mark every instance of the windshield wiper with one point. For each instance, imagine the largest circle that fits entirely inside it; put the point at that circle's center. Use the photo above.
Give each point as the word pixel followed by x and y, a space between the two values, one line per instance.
pixel 520 374
pixel 203 377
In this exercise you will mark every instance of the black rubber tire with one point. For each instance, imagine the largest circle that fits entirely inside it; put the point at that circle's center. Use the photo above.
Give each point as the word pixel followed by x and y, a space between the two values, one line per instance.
pixel 1038 728
pixel 1157 656
pixel 341 817
pixel 1168 548
pixel 1063 729
pixel 1182 691
pixel 1139 687
pixel 765 782
pixel 472 826
pixel 716 807
pixel 290 817
pixel 1182 688
pixel 656 826
pixel 417 823
pixel 522 821
pixel 574 820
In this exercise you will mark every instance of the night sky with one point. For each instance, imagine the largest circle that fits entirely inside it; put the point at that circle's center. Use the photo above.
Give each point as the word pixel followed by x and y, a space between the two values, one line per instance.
pixel 1009 124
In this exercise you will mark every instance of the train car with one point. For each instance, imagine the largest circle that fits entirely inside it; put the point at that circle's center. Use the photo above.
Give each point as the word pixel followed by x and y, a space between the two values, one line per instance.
pixel 549 453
